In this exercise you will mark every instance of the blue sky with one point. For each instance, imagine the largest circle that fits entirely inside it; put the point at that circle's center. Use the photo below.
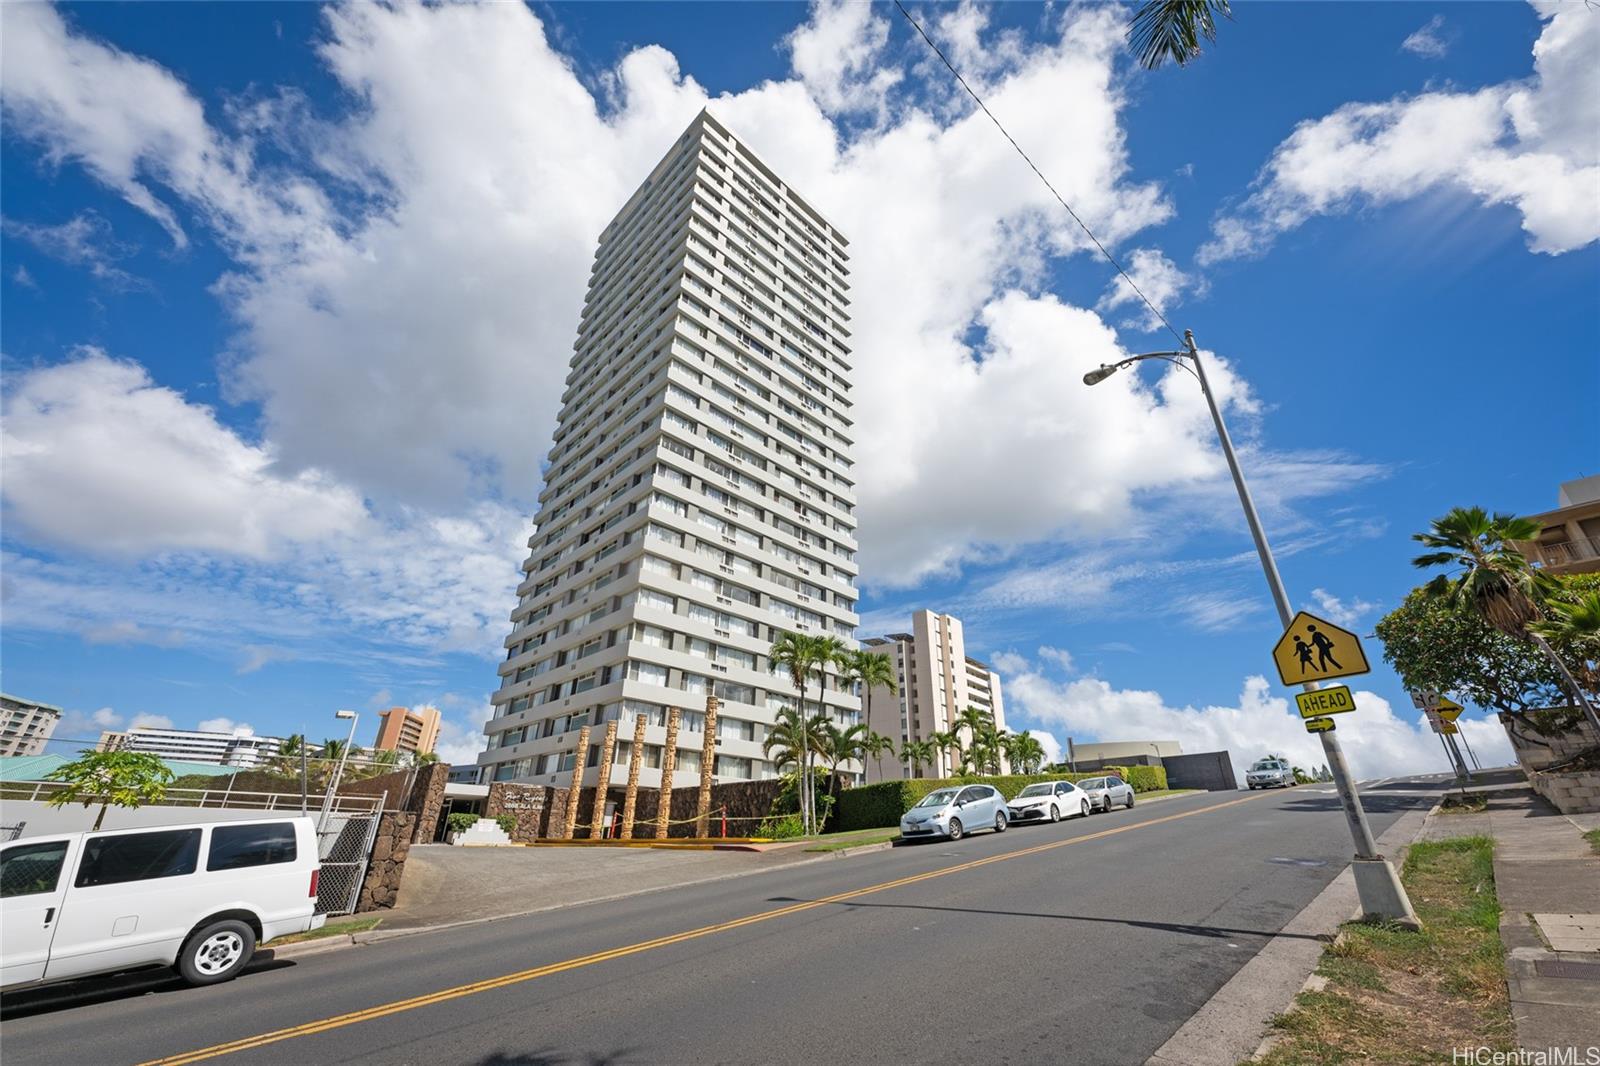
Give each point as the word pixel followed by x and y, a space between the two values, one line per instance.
pixel 288 294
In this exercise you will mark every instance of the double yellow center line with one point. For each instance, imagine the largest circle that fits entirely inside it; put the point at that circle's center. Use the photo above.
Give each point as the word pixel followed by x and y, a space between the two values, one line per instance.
pixel 339 1021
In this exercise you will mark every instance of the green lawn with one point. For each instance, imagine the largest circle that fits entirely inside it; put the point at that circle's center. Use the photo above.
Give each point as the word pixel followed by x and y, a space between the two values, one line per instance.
pixel 1394 996
pixel 840 841
pixel 342 926
pixel 1593 837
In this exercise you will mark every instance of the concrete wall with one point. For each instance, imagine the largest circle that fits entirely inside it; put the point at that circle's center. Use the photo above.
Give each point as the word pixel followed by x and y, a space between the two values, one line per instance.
pixel 1211 770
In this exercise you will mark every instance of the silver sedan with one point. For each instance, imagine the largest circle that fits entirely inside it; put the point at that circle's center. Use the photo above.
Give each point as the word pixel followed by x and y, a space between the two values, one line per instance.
pixel 1107 792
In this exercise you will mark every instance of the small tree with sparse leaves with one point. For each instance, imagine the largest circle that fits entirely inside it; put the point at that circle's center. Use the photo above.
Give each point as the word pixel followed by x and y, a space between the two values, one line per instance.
pixel 130 779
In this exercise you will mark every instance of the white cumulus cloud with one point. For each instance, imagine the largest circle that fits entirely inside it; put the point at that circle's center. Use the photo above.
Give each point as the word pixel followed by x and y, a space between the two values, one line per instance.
pixel 1533 144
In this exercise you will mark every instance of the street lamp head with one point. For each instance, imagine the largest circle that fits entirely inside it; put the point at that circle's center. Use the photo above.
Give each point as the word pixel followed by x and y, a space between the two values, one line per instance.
pixel 1095 377
pixel 344 714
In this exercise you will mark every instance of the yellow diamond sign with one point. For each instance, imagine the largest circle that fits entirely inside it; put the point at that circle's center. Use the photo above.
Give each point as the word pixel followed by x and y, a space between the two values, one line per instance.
pixel 1448 709
pixel 1314 649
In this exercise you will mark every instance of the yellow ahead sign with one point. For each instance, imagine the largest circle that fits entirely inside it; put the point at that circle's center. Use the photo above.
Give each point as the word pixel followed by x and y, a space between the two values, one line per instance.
pixel 1448 709
pixel 1449 727
pixel 1319 725
pixel 1314 649
pixel 1335 700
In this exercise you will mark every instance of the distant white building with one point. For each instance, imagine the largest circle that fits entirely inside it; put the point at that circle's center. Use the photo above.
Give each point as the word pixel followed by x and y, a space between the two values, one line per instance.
pixel 241 749
pixel 25 725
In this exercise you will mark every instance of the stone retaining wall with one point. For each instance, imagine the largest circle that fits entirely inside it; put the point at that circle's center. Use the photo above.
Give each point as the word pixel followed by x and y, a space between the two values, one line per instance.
pixel 1570 793
pixel 390 847
pixel 530 805
pixel 419 790
pixel 1536 750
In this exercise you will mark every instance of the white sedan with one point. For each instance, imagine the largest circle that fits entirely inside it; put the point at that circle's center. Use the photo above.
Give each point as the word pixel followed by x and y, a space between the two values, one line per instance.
pixel 1049 801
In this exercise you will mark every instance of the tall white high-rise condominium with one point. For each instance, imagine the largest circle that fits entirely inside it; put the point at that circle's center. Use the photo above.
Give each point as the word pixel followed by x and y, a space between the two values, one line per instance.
pixel 699 498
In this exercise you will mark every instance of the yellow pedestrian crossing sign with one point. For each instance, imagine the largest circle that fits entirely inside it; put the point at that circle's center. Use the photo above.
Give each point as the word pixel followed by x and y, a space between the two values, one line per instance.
pixel 1319 725
pixel 1448 709
pixel 1335 699
pixel 1314 649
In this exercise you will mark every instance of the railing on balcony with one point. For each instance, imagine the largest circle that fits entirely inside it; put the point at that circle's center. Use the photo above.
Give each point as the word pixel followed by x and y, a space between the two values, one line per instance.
pixel 1566 552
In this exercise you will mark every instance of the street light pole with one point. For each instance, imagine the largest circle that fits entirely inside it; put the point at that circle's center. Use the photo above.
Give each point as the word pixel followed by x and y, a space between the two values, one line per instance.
pixel 333 781
pixel 1376 881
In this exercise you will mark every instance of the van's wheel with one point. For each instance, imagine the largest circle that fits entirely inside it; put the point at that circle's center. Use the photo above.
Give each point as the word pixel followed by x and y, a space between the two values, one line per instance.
pixel 216 952
pixel 1000 823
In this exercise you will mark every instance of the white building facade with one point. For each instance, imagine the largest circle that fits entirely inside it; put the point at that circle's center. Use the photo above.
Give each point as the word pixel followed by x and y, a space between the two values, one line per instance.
pixel 244 750
pixel 699 497
pixel 937 680
pixel 26 725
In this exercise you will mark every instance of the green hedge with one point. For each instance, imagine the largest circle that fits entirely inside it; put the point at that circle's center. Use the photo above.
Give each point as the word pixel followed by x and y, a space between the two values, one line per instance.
pixel 880 805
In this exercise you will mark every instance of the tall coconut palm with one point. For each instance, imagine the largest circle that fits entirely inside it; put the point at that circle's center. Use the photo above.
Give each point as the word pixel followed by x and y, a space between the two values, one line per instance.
pixel 869 671
pixel 797 654
pixel 1172 29
pixel 874 746
pixel 949 741
pixel 1494 578
pixel 842 745
pixel 981 735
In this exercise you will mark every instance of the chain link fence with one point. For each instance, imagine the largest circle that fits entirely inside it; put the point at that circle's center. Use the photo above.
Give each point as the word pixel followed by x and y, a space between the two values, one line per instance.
pixel 344 845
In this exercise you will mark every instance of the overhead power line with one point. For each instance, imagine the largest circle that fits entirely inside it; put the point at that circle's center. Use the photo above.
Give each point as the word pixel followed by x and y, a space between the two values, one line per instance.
pixel 1034 167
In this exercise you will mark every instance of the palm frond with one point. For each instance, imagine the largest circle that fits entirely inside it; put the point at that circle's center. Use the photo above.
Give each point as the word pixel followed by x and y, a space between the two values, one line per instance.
pixel 1171 29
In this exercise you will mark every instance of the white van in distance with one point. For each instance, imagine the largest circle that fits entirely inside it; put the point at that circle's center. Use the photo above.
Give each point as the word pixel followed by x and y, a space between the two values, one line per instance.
pixel 196 897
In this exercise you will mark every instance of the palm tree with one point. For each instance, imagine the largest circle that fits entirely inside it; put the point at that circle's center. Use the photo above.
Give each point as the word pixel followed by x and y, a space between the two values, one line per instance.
pixel 949 740
pixel 917 754
pixel 842 745
pixel 332 749
pixel 1494 578
pixel 287 760
pixel 874 746
pixel 869 671
pixel 791 740
pixel 982 737
pixel 797 655
pixel 1171 29
pixel 1025 752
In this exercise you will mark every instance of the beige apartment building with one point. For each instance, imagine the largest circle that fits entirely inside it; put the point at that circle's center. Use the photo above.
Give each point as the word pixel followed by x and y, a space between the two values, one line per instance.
pixel 404 729
pixel 1569 541
pixel 26 725
pixel 937 680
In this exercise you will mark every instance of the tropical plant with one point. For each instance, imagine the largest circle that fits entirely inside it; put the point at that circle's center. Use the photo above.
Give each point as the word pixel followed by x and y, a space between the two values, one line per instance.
pixel 949 741
pixel 841 745
pixel 1494 578
pixel 1025 752
pixel 796 654
pixel 874 746
pixel 869 671
pixel 918 754
pixel 1172 29
pixel 128 779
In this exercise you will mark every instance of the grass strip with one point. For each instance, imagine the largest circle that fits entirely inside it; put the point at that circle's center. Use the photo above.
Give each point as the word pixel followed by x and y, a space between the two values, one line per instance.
pixel 354 925
pixel 1593 837
pixel 1397 997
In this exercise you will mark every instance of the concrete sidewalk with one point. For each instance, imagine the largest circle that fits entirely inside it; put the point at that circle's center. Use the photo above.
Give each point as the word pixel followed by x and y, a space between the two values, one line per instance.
pixel 1548 880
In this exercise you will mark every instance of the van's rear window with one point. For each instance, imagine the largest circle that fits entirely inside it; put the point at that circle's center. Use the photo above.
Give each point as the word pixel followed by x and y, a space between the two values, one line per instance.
pixel 114 860
pixel 236 846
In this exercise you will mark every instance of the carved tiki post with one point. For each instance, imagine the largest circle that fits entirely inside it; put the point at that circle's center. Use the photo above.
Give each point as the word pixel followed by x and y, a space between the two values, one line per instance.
pixel 608 750
pixel 669 759
pixel 708 759
pixel 577 783
pixel 635 764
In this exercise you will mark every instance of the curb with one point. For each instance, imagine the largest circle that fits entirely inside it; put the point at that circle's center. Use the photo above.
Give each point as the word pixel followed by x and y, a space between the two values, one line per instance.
pixel 1232 1026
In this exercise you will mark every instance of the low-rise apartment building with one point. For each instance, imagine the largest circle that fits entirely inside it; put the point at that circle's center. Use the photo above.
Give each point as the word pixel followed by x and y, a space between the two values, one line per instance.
pixel 26 725
pixel 1569 537
pixel 244 750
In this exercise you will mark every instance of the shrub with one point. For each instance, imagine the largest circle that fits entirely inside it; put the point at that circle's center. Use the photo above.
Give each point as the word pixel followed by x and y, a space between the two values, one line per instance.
pixel 507 823
pixel 880 805
pixel 460 821
pixel 782 827
pixel 1142 778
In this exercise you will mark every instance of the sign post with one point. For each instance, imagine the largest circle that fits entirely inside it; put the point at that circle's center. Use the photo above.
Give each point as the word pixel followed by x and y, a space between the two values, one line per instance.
pixel 1313 650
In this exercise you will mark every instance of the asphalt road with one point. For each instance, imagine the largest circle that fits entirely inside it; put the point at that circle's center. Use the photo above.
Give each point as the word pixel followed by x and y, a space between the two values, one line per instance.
pixel 1086 942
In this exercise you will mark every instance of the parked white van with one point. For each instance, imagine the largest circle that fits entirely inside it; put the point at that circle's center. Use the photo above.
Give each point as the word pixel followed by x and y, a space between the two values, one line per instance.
pixel 197 897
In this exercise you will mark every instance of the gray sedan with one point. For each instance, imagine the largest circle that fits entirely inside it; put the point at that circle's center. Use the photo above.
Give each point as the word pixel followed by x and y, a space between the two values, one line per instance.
pixel 1107 792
